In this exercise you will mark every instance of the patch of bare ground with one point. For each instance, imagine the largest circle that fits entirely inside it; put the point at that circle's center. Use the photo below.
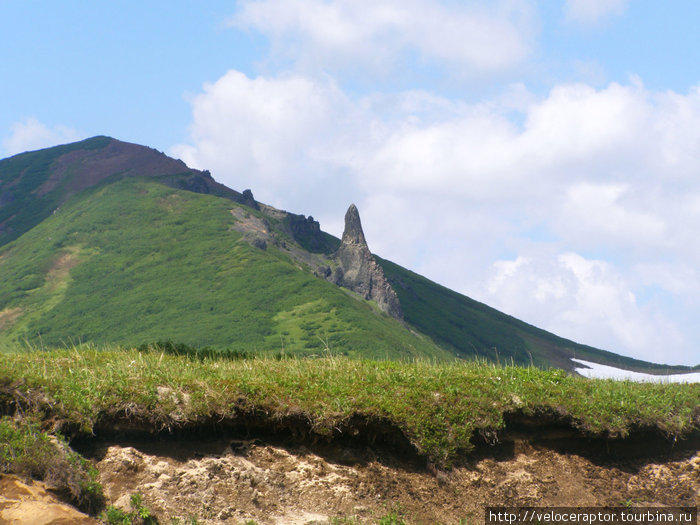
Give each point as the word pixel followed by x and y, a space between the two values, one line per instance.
pixel 222 481
pixel 62 266
pixel 248 223
pixel 80 169
pixel 8 316
pixel 34 504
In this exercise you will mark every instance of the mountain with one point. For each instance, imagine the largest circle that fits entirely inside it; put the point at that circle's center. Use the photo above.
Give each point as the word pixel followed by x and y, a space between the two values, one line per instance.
pixel 109 242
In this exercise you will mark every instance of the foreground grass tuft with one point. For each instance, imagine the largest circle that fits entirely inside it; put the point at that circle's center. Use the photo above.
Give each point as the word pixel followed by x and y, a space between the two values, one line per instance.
pixel 436 407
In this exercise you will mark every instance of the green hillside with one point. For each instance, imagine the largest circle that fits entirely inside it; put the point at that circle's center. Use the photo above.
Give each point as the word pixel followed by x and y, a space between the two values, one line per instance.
pixel 104 241
pixel 136 261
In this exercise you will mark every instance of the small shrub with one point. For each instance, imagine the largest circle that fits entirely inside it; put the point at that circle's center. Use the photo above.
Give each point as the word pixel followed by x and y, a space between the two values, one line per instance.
pixel 392 518
pixel 115 516
pixel 139 515
pixel 193 352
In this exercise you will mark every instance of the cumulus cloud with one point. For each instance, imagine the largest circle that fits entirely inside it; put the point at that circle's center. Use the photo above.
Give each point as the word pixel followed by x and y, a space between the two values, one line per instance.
pixel 585 300
pixel 30 134
pixel 591 11
pixel 481 36
pixel 445 187
pixel 279 136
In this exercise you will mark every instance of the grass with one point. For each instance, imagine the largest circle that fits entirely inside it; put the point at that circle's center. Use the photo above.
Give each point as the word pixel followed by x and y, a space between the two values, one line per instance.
pixel 437 407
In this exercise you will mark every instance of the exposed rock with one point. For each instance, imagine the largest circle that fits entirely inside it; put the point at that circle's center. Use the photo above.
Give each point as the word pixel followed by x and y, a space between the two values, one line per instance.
pixel 256 241
pixel 235 482
pixel 307 233
pixel 358 271
pixel 323 271
pixel 248 199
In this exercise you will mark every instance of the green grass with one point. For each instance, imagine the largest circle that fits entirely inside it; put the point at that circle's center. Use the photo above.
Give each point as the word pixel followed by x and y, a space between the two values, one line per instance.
pixel 135 261
pixel 437 407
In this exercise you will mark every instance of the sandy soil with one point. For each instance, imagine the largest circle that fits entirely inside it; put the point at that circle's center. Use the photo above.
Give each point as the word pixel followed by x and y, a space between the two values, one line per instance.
pixel 231 481
pixel 33 504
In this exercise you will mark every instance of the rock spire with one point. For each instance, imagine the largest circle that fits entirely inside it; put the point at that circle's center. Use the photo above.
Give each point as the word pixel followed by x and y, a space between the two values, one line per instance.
pixel 353 233
pixel 358 271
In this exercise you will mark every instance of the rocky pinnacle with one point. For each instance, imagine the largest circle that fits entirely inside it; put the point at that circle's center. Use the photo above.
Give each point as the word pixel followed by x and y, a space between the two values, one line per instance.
pixel 353 233
pixel 358 271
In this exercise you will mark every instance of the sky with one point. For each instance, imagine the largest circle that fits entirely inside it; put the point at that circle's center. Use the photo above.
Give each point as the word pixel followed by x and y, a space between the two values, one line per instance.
pixel 540 157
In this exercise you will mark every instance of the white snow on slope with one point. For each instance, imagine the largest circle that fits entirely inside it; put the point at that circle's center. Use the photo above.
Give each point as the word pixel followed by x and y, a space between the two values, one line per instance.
pixel 598 371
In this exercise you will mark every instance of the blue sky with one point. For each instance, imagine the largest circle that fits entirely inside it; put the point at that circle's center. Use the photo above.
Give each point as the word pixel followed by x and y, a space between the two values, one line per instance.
pixel 542 157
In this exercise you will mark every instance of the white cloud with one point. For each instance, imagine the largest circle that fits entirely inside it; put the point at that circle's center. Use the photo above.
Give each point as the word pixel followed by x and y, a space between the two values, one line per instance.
pixel 598 214
pixel 446 188
pixel 269 134
pixel 591 11
pixel 676 278
pixel 30 134
pixel 481 36
pixel 584 300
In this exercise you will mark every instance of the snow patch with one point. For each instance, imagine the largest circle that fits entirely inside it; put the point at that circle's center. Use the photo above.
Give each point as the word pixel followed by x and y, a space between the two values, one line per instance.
pixel 598 371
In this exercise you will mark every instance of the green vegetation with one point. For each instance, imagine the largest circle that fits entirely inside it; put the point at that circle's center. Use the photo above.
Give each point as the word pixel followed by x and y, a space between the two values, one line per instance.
pixel 139 515
pixel 436 407
pixel 135 261
pixel 27 451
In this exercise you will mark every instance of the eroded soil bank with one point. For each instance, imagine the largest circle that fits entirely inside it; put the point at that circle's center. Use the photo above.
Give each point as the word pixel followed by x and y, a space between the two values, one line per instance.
pixel 225 480
pixel 231 476
pixel 230 481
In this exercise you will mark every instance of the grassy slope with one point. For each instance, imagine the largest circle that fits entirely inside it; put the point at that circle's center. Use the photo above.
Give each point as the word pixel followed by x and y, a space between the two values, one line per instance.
pixel 473 328
pixel 135 261
pixel 437 407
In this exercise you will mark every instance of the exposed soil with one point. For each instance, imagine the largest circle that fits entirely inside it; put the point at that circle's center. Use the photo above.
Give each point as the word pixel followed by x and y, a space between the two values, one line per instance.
pixel 8 316
pixel 62 266
pixel 232 480
pixel 248 223
pixel 228 480
pixel 34 504
pixel 275 471
pixel 84 168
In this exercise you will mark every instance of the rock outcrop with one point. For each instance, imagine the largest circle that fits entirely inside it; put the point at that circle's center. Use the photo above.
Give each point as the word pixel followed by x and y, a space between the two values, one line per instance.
pixel 358 271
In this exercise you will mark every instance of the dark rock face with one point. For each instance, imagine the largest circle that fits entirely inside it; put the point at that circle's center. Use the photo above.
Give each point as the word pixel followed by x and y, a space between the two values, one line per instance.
pixel 307 232
pixel 358 271
pixel 248 200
